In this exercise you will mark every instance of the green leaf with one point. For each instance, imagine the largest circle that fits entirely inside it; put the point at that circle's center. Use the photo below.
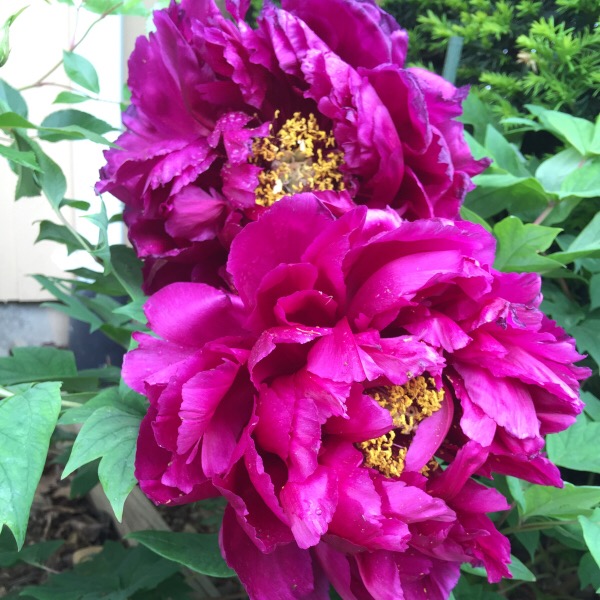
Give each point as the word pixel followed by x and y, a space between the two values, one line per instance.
pixel 595 291
pixel 477 571
pixel 78 204
pixel 134 310
pixel 36 364
pixel 557 503
pixel 122 398
pixel 591 535
pixel 25 159
pixel 519 245
pixel 526 124
pixel 530 541
pixel 588 572
pixel 108 373
pixel 12 99
pixel 72 304
pixel 519 571
pixel 552 172
pixel 51 178
pixel 198 552
pixel 61 124
pixel 98 282
pixel 34 554
pixel 584 182
pixel 478 114
pixel 517 489
pixel 27 421
pixel 102 249
pixel 104 307
pixel 522 196
pixel 595 145
pixel 125 7
pixel 477 150
pixel 490 196
pixel 107 397
pixel 128 269
pixel 504 154
pixel 11 120
pixel 465 591
pixel 562 210
pixel 60 234
pixel 585 245
pixel 70 116
pixel 81 71
pixel 84 480
pixel 115 573
pixel 577 132
pixel 468 215
pixel 568 314
pixel 568 533
pixel 592 405
pixel 69 98
pixel 575 448
pixel 27 186
pixel 110 434
pixel 588 337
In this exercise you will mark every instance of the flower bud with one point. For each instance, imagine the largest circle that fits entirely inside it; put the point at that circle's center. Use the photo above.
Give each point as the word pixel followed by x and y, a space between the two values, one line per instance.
pixel 4 37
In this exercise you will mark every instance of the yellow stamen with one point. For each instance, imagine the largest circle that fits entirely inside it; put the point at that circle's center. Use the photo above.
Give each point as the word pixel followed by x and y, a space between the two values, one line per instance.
pixel 381 454
pixel 430 467
pixel 408 405
pixel 300 157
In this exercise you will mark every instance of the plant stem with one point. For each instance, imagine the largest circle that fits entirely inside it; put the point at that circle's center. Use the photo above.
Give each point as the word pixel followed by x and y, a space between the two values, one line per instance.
pixel 551 206
pixel 565 288
pixel 537 526
pixel 53 84
pixel 40 81
pixel 69 404
pixel 82 241
pixel 4 393
pixel 510 588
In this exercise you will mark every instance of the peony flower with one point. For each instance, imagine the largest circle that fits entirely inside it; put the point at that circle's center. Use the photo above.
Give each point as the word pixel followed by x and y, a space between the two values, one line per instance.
pixel 225 120
pixel 355 356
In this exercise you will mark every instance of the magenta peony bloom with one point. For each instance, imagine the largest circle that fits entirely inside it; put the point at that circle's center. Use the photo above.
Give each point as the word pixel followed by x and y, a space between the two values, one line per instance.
pixel 225 120
pixel 356 356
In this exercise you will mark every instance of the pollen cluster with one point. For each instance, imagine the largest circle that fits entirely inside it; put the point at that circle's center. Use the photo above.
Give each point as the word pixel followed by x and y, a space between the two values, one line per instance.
pixel 299 157
pixel 408 405
pixel 382 454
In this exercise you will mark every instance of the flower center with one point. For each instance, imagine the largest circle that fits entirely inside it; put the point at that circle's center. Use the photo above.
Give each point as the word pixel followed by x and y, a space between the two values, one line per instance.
pixel 300 157
pixel 408 405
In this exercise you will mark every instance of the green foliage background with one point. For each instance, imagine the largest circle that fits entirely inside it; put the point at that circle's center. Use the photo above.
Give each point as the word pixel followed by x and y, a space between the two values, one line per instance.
pixel 540 52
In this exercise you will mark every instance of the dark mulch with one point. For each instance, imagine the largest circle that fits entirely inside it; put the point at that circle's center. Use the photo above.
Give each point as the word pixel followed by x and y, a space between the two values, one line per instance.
pixel 55 516
pixel 83 529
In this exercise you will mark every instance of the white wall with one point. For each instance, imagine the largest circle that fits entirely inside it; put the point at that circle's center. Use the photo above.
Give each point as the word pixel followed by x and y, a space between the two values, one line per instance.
pixel 38 37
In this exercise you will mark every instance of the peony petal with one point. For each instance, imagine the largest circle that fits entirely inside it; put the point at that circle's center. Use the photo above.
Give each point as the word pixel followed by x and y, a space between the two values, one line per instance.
pixel 279 236
pixel 429 436
pixel 380 575
pixel 339 357
pixel 310 505
pixel 154 359
pixel 287 569
pixel 506 401
pixel 209 314
pixel 364 420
